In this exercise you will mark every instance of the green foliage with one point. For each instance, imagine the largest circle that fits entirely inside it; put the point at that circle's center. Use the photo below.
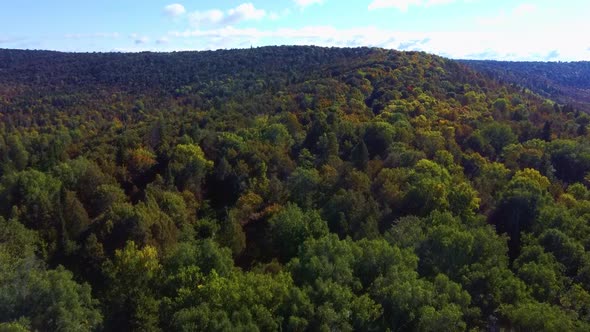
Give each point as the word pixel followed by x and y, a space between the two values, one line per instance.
pixel 37 298
pixel 520 205
pixel 303 184
pixel 241 301
pixel 144 223
pixel 498 136
pixel 291 227
pixel 188 166
pixel 570 159
pixel 360 155
pixel 204 254
pixel 352 213
pixel 287 188
pixel 541 272
pixel 565 82
pixel 428 190
pixel 17 152
pixel 378 136
pixel 130 302
pixel 535 316
pixel 35 196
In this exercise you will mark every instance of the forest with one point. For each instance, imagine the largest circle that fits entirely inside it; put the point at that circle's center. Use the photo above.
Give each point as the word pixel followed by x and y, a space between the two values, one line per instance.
pixel 564 82
pixel 287 188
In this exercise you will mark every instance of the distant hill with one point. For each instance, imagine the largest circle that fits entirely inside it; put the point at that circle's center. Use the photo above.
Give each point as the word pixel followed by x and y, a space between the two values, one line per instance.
pixel 565 82
pixel 160 72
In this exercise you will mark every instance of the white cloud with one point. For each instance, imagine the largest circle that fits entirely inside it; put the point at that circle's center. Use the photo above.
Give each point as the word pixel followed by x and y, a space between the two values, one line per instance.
pixel 311 35
pixel 472 44
pixel 209 17
pixel 306 3
pixel 243 12
pixel 174 10
pixel 404 5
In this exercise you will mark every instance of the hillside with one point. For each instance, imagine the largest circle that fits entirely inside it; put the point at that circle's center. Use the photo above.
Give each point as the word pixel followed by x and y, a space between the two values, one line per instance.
pixel 565 82
pixel 286 188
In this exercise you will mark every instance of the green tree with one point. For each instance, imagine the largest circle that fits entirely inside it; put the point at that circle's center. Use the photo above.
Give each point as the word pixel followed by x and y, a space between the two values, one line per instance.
pixel 535 316
pixel 239 301
pixel 429 187
pixel 42 299
pixel 291 226
pixel 498 135
pixel 520 205
pixel 36 197
pixel 189 166
pixel 360 155
pixel 17 152
pixel 377 137
pixel 131 302
pixel 304 185
pixel 352 213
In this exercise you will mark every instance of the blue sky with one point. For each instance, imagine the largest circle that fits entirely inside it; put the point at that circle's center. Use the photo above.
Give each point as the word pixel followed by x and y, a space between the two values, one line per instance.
pixel 476 29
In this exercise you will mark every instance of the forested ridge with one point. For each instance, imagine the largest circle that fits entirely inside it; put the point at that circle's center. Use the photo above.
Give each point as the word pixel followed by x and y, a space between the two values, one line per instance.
pixel 287 188
pixel 565 82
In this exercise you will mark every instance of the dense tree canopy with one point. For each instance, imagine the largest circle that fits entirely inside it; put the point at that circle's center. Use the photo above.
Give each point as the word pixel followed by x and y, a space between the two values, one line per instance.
pixel 287 188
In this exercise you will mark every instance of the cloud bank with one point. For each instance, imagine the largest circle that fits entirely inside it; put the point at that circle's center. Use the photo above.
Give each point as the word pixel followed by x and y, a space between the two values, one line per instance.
pixel 513 32
pixel 465 45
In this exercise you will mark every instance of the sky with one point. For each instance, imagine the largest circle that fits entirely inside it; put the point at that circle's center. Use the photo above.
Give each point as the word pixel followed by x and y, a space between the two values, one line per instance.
pixel 539 30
